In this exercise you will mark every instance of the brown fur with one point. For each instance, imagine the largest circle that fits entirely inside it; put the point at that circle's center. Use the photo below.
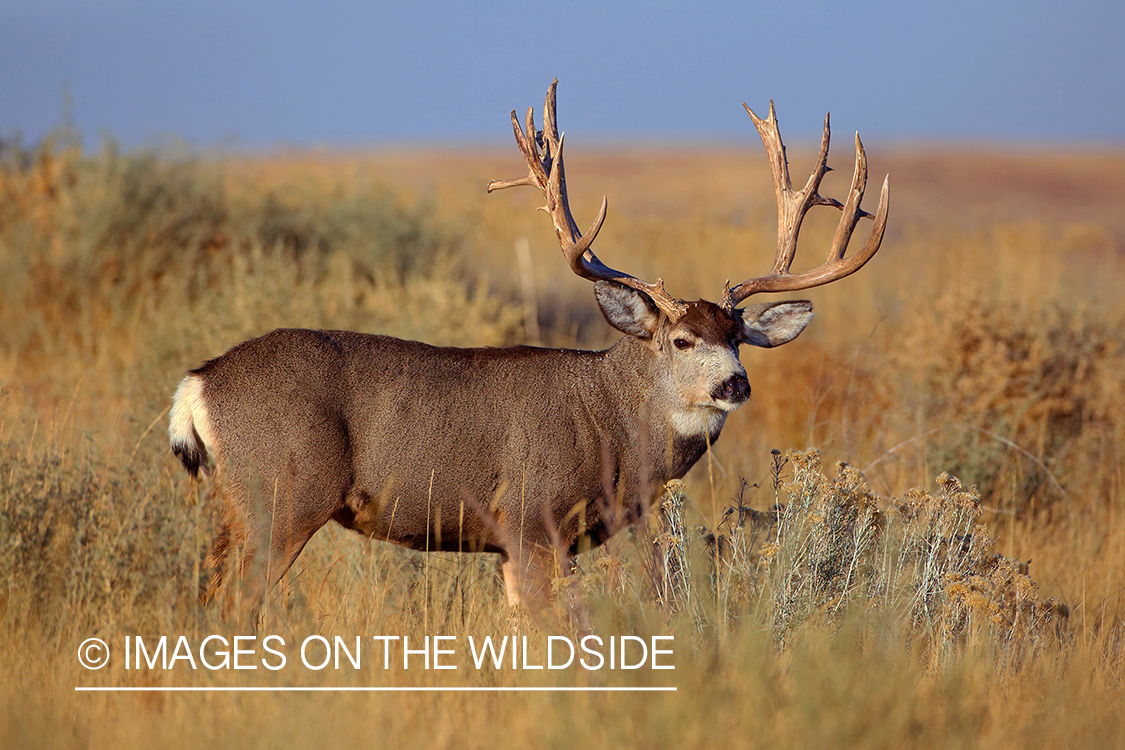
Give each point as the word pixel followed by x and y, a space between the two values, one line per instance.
pixel 531 453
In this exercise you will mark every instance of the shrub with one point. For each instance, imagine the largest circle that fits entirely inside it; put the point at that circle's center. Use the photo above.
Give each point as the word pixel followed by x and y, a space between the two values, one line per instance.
pixel 833 548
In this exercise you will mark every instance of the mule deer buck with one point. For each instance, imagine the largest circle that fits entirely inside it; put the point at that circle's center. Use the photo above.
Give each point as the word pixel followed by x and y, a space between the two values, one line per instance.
pixel 529 453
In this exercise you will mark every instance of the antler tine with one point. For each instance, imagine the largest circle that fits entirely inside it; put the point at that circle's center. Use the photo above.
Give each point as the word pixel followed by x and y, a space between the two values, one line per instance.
pixel 550 125
pixel 791 209
pixel 791 204
pixel 852 213
pixel 546 172
pixel 536 175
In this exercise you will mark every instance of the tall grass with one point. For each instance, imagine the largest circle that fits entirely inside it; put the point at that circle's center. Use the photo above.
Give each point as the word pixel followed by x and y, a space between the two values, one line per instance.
pixel 866 608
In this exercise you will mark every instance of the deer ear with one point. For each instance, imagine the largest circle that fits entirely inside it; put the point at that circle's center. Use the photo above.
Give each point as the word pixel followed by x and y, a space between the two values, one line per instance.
pixel 628 310
pixel 774 323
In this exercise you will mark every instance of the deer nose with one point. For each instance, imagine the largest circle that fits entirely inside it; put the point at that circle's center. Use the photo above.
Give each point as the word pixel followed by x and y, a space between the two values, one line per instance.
pixel 735 389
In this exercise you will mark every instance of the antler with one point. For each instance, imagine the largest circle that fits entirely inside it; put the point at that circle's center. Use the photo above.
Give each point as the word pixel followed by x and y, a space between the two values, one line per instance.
pixel 792 205
pixel 545 171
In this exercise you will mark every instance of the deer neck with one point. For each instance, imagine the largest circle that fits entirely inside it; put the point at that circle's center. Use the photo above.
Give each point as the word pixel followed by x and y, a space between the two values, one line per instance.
pixel 659 408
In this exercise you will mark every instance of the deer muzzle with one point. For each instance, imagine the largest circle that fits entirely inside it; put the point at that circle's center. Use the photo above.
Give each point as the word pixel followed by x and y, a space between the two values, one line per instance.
pixel 735 389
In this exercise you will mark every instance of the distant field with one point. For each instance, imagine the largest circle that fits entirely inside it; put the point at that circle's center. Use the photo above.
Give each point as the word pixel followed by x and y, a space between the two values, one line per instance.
pixel 984 340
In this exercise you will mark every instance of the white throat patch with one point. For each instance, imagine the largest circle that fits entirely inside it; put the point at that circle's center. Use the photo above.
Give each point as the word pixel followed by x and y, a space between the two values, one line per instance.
pixel 693 422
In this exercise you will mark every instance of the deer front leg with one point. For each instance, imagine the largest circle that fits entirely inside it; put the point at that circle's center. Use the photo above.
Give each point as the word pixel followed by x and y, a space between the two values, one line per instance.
pixel 531 585
pixel 528 575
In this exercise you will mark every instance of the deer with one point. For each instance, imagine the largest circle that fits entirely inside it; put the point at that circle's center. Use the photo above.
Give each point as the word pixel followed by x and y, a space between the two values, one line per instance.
pixel 532 454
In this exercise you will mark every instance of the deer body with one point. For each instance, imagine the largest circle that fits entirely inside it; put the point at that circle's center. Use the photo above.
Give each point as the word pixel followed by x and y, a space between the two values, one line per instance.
pixel 527 452
pixel 531 453
pixel 420 445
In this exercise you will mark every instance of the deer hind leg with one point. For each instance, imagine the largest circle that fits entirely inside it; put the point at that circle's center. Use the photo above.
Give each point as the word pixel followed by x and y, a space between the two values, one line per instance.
pixel 296 514
pixel 228 549
pixel 249 558
pixel 218 565
pixel 283 551
pixel 269 516
pixel 239 576
pixel 231 561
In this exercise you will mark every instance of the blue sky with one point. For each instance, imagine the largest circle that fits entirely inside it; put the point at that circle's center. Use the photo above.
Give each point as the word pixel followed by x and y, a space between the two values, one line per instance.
pixel 256 74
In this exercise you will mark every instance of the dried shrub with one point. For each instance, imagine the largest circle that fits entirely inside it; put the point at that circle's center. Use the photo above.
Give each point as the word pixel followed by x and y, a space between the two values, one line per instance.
pixel 78 555
pixel 124 268
pixel 824 551
pixel 925 562
pixel 1028 395
pixel 958 587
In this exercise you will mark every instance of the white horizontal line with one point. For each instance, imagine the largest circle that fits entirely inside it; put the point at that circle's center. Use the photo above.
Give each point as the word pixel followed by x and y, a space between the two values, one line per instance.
pixel 248 689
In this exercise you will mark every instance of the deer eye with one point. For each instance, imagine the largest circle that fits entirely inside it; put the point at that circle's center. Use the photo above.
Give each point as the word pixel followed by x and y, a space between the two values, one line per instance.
pixel 682 343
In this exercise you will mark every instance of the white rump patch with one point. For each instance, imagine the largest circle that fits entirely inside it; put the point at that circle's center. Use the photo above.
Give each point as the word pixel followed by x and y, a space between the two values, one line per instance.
pixel 189 417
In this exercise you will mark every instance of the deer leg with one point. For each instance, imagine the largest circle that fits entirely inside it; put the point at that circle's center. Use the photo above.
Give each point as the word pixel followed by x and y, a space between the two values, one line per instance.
pixel 531 583
pixel 237 568
pixel 291 498
pixel 218 564
pixel 258 561
pixel 527 577
pixel 511 586
pixel 258 541
pixel 230 550
pixel 283 552
pixel 285 531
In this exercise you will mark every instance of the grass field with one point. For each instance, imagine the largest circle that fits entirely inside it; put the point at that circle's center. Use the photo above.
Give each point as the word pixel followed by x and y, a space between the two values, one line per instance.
pixel 984 341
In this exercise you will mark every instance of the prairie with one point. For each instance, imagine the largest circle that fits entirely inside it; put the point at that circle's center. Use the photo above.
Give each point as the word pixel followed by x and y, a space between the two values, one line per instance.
pixel 884 603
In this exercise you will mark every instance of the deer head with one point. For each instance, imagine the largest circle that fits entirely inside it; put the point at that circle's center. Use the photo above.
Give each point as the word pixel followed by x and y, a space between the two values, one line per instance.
pixel 698 341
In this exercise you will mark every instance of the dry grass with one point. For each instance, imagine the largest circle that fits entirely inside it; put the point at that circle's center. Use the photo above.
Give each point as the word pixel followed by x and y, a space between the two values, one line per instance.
pixel 984 341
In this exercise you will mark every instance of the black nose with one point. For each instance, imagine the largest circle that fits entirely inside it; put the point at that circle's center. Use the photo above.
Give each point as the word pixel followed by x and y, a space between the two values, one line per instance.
pixel 735 389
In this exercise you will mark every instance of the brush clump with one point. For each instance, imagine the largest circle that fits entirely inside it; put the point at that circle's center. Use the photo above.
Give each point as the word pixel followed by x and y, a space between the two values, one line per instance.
pixel 833 548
